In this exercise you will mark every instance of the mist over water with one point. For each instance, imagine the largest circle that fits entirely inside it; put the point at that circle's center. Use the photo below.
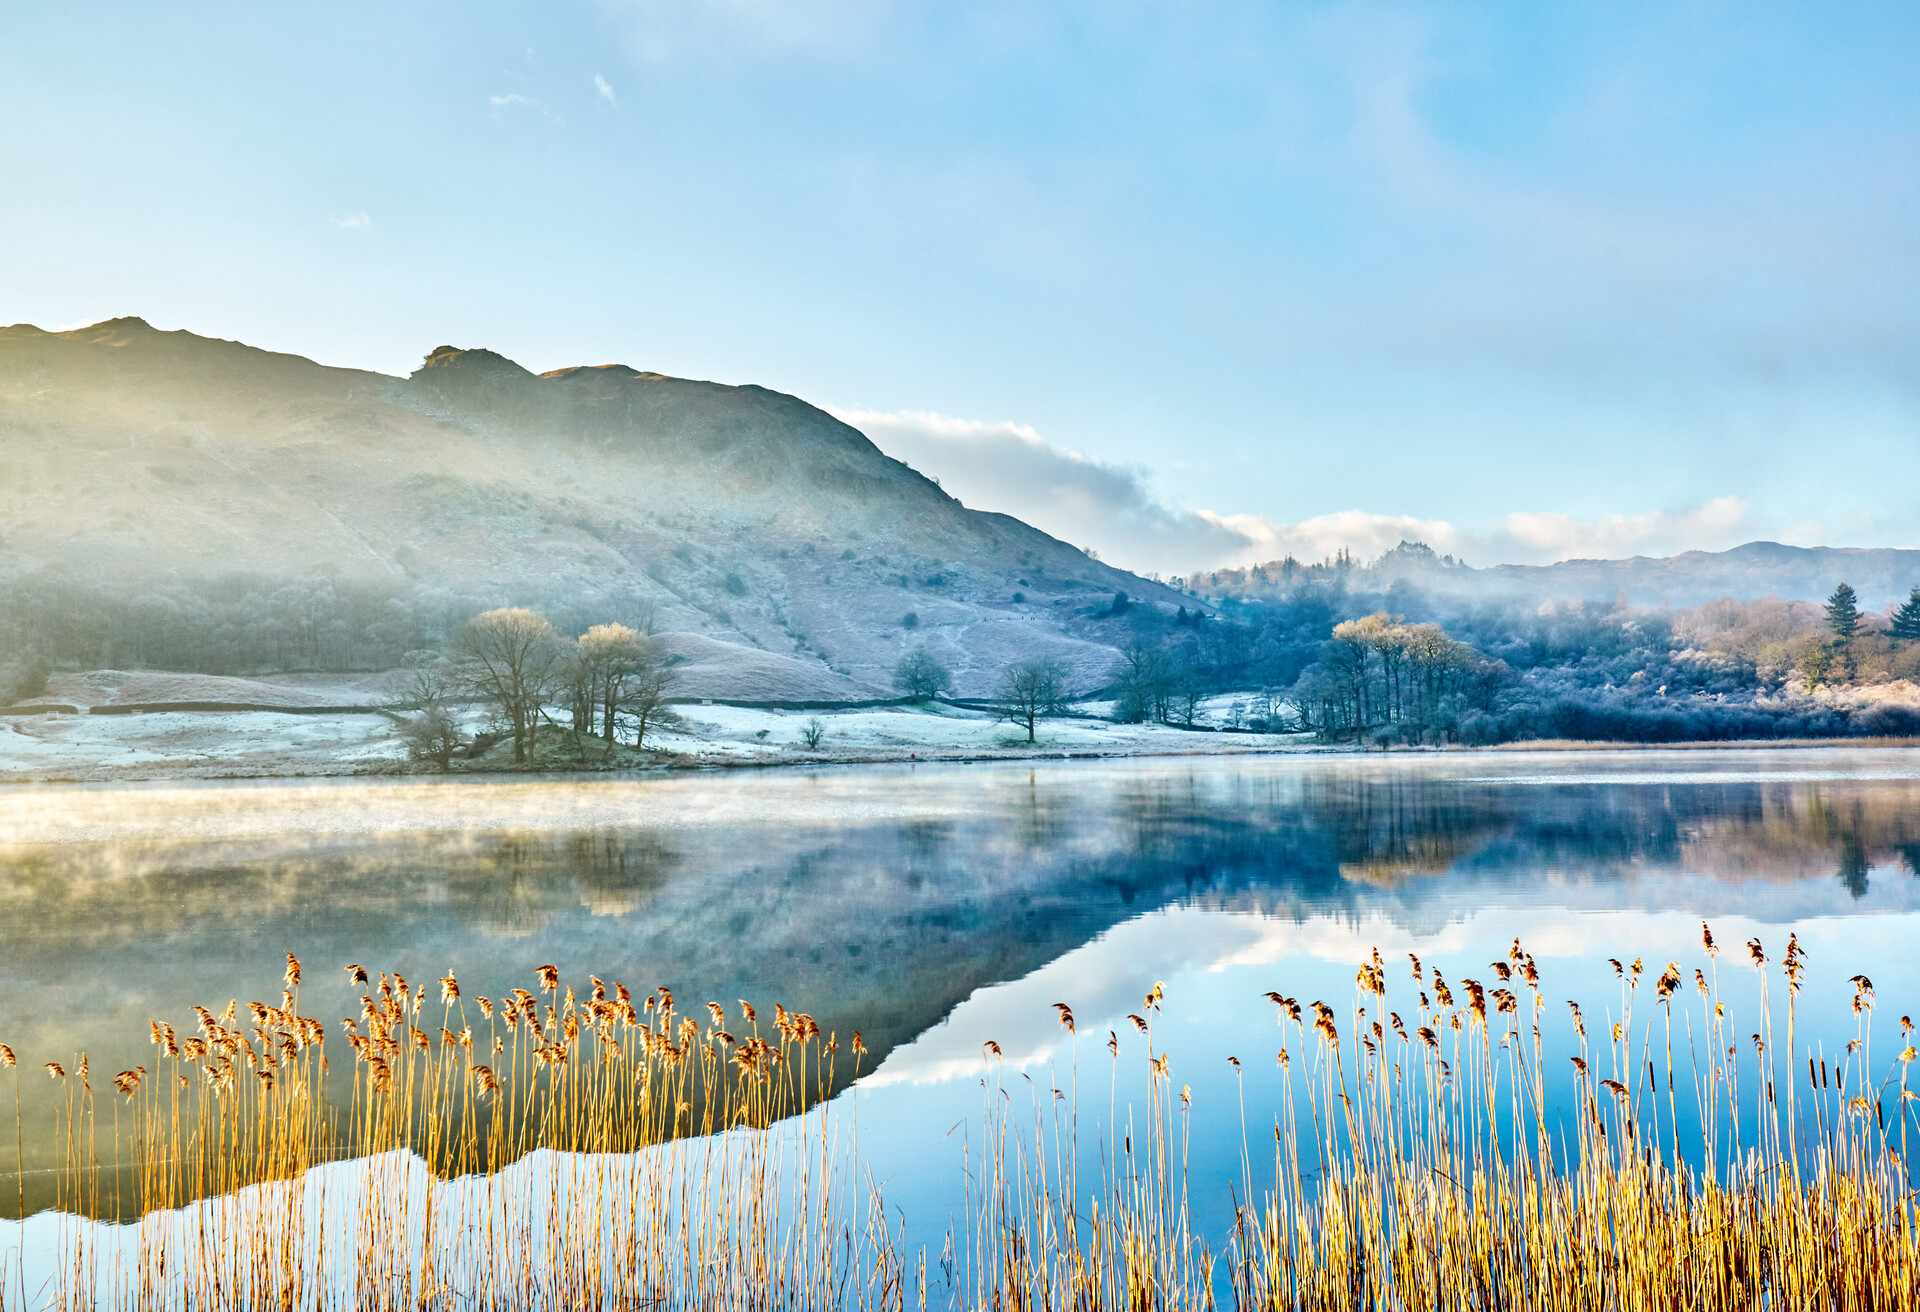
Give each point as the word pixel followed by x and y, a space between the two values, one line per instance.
pixel 934 908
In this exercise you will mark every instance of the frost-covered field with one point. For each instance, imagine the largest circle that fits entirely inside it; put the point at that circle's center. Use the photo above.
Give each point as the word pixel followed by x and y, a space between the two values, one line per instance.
pixel 208 744
pixel 172 744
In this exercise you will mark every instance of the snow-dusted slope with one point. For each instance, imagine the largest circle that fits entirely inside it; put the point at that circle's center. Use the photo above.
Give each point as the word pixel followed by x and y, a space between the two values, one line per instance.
pixel 735 514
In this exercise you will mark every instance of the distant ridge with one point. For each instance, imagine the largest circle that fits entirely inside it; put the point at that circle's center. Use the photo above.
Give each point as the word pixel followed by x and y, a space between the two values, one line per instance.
pixel 1883 576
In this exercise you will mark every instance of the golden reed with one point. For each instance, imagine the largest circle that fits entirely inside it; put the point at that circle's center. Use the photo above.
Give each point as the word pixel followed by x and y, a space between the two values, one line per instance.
pixel 667 1159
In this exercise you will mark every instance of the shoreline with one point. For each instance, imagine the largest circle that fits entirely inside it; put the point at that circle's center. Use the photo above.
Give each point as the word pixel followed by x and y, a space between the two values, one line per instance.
pixel 673 764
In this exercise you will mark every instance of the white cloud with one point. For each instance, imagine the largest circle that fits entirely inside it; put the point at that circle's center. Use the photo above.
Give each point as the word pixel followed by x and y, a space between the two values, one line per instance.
pixel 1523 537
pixel 1364 533
pixel 1713 525
pixel 604 89
pixel 356 220
pixel 515 102
pixel 1005 466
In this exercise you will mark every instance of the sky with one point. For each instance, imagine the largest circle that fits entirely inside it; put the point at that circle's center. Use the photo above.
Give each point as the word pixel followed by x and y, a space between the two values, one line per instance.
pixel 1192 285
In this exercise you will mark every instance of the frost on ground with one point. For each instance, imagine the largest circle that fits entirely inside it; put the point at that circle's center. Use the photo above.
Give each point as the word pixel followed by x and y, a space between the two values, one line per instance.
pixel 213 744
pixel 147 687
pixel 174 744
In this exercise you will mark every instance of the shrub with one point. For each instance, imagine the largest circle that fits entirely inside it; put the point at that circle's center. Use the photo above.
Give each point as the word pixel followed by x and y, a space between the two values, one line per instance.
pixel 911 620
pixel 432 737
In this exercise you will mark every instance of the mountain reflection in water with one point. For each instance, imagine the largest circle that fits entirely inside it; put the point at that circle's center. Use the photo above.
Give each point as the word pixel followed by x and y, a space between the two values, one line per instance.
pixel 884 898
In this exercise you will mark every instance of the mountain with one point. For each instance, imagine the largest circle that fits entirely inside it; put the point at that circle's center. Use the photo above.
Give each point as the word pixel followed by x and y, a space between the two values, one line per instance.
pixel 739 519
pixel 1883 576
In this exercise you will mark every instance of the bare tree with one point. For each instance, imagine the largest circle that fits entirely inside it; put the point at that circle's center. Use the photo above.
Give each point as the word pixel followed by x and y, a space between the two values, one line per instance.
pixel 425 685
pixel 510 657
pixel 608 657
pixel 433 735
pixel 1033 688
pixel 643 690
pixel 1141 684
pixel 921 675
pixel 427 680
pixel 1185 688
pixel 812 732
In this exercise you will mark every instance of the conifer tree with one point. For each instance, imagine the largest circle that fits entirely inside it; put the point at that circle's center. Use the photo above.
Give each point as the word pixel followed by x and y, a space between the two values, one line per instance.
pixel 1843 621
pixel 1906 620
pixel 1843 615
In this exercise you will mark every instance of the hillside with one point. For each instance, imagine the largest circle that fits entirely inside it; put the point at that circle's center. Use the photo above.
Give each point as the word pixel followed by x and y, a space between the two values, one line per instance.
pixel 142 468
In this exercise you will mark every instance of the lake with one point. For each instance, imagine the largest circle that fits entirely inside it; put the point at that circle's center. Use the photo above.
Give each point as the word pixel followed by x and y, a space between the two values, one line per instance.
pixel 935 908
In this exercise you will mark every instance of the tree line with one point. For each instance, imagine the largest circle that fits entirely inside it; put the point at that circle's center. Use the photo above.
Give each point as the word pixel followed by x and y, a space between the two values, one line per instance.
pixel 1380 673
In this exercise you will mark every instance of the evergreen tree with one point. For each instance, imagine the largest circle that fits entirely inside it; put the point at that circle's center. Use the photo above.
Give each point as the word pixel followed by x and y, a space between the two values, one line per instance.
pixel 1843 621
pixel 1843 615
pixel 1906 620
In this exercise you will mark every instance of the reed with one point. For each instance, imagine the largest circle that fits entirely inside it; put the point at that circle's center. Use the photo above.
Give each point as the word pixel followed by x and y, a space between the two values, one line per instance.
pixel 657 1153
pixel 549 1148
pixel 1415 1164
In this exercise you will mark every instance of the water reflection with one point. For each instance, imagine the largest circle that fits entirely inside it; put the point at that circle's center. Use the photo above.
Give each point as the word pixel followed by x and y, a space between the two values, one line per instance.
pixel 894 899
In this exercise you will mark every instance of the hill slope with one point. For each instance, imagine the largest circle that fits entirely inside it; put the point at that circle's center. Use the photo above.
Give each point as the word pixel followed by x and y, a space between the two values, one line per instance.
pixel 738 514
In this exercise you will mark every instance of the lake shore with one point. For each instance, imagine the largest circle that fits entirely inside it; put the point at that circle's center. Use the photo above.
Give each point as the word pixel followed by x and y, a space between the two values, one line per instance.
pixel 260 744
pixel 161 746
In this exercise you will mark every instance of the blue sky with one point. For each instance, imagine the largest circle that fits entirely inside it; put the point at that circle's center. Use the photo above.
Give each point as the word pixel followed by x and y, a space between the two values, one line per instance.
pixel 1190 284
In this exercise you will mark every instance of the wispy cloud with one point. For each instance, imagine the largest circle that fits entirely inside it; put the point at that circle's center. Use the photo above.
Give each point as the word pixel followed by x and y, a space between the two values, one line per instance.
pixel 356 220
pixel 604 89
pixel 1523 537
pixel 1007 466
pixel 1363 533
pixel 515 102
pixel 1712 524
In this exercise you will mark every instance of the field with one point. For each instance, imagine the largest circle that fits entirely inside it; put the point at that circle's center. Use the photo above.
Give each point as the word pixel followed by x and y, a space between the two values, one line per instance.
pixel 305 737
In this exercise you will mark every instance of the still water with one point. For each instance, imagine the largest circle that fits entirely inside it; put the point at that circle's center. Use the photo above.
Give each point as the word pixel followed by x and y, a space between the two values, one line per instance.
pixel 937 907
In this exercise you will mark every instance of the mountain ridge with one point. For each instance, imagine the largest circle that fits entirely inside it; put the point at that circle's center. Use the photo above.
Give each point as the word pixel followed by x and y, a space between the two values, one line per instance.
pixel 736 513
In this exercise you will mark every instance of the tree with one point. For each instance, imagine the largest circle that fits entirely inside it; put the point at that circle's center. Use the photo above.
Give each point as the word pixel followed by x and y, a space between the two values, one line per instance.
pixel 1033 688
pixel 1815 663
pixel 1843 621
pixel 433 735
pixel 425 682
pixel 1906 619
pixel 1141 684
pixel 1184 687
pixel 1843 614
pixel 920 675
pixel 812 732
pixel 643 695
pixel 608 657
pixel 510 657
